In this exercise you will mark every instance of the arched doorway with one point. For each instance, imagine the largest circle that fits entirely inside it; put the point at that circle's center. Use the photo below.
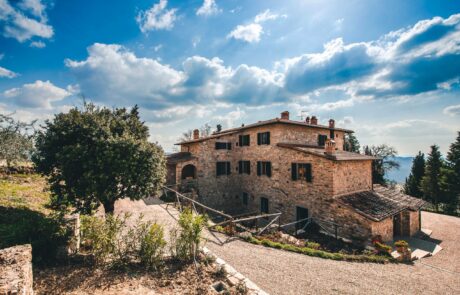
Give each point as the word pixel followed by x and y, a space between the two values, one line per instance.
pixel 188 172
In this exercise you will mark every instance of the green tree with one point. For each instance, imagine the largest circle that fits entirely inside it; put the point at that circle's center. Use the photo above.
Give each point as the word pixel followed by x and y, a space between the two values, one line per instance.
pixel 431 181
pixel 450 183
pixel 96 155
pixel 16 140
pixel 412 185
pixel 384 163
pixel 351 143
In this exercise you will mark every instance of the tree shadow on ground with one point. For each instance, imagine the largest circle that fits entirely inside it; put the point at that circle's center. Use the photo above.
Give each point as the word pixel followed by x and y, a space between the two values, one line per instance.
pixel 24 226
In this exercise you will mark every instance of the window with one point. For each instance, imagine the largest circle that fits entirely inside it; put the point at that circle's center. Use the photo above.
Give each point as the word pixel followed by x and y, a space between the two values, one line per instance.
pixel 245 199
pixel 244 167
pixel 264 168
pixel 301 214
pixel 223 145
pixel 222 168
pixel 244 140
pixel 263 138
pixel 301 171
pixel 322 139
pixel 331 134
pixel 263 205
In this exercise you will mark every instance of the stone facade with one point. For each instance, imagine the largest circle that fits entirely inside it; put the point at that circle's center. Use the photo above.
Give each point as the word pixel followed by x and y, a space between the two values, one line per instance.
pixel 330 178
pixel 16 270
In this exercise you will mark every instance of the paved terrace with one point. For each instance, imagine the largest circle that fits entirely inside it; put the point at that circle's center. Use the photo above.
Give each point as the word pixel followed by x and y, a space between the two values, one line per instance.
pixel 281 272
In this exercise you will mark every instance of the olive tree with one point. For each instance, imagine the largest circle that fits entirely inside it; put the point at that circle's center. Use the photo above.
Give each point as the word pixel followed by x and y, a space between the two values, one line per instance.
pixel 95 156
pixel 16 140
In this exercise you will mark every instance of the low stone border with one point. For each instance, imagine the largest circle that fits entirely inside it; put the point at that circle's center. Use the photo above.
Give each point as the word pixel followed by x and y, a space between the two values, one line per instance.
pixel 16 270
pixel 234 277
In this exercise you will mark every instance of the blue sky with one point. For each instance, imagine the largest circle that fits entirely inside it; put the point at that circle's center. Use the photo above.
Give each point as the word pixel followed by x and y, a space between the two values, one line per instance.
pixel 387 69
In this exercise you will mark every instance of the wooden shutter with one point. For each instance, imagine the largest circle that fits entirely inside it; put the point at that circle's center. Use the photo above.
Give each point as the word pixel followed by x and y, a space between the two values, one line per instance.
pixel 248 139
pixel 240 139
pixel 308 175
pixel 240 167
pixel 228 168
pixel 259 168
pixel 259 138
pixel 294 171
pixel 229 145
pixel 269 169
pixel 249 167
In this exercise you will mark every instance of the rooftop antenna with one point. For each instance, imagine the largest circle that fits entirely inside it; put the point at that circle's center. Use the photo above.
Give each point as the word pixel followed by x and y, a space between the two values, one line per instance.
pixel 303 115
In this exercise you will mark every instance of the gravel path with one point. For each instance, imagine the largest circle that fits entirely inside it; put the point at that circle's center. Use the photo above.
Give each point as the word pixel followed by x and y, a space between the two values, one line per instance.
pixel 281 272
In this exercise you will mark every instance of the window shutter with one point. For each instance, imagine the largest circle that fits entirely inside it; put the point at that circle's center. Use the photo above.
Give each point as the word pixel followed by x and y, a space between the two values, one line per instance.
pixel 228 168
pixel 259 135
pixel 268 137
pixel 259 168
pixel 249 167
pixel 294 171
pixel 217 169
pixel 249 139
pixel 308 172
pixel 240 139
pixel 240 167
pixel 269 169
pixel 229 145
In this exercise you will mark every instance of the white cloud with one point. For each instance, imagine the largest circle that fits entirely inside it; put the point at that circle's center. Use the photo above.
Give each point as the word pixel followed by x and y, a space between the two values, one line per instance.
pixel 453 110
pixel 249 33
pixel 38 44
pixel 5 73
pixel 158 47
pixel 338 24
pixel 157 17
pixel 229 119
pixel 25 21
pixel 252 32
pixel 39 94
pixel 208 8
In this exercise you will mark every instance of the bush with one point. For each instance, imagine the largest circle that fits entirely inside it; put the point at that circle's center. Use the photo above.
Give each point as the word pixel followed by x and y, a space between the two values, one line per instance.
pixel 382 248
pixel 152 245
pixel 46 234
pixel 401 244
pixel 312 245
pixel 185 241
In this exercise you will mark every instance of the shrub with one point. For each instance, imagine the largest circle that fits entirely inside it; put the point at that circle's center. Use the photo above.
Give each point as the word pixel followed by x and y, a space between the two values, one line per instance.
pixel 152 245
pixel 312 245
pixel 382 248
pixel 401 244
pixel 185 241
pixel 99 236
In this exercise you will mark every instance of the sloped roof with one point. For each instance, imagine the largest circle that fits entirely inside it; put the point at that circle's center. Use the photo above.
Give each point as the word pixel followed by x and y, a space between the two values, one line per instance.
pixel 338 155
pixel 179 157
pixel 380 203
pixel 263 123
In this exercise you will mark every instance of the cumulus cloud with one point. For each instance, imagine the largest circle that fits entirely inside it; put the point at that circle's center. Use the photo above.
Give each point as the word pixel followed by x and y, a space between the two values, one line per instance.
pixel 39 94
pixel 157 17
pixel 111 73
pixel 5 73
pixel 453 110
pixel 25 20
pixel 208 8
pixel 252 32
pixel 38 44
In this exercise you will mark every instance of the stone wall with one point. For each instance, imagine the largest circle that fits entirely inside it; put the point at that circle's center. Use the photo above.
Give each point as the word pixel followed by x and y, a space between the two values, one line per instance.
pixel 16 270
pixel 352 176
pixel 414 222
pixel 383 228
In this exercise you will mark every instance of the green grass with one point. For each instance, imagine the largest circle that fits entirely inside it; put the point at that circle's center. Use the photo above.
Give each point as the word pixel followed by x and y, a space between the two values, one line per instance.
pixel 24 191
pixel 320 253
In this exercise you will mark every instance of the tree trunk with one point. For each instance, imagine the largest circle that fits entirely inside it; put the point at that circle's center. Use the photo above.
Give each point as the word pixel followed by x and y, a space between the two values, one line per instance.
pixel 109 207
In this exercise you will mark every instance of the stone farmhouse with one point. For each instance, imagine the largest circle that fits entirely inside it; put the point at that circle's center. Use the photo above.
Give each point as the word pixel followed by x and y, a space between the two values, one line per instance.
pixel 298 168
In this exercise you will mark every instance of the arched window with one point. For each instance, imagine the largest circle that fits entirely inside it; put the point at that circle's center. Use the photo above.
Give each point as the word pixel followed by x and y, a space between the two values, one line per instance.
pixel 188 172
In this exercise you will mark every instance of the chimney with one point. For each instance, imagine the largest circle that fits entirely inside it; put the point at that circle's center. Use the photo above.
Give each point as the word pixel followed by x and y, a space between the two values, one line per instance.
pixel 307 120
pixel 285 115
pixel 331 123
pixel 314 120
pixel 196 134
pixel 329 146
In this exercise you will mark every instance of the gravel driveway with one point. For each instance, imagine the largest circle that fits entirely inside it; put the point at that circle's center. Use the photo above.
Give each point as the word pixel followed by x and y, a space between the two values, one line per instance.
pixel 281 272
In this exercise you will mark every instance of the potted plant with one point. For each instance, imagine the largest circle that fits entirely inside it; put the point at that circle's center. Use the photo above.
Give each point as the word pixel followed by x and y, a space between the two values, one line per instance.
pixel 401 246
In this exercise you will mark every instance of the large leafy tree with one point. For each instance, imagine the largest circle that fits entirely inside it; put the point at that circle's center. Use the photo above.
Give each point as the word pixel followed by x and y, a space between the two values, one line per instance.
pixel 385 161
pixel 351 143
pixel 16 140
pixel 450 183
pixel 412 185
pixel 431 180
pixel 96 155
